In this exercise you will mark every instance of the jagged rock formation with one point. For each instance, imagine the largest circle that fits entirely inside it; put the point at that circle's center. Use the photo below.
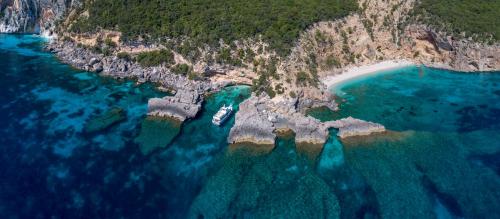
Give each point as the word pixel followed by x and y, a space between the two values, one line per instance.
pixel 250 126
pixel 260 117
pixel 349 127
pixel 32 16
pixel 184 105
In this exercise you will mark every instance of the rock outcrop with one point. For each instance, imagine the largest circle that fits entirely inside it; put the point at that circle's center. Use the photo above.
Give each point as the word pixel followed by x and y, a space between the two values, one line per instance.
pixel 260 117
pixel 251 125
pixel 81 58
pixel 184 105
pixel 33 16
pixel 349 127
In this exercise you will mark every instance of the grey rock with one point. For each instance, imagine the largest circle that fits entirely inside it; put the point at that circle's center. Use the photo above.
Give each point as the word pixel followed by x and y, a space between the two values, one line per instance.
pixel 349 127
pixel 184 105
pixel 251 124
pixel 33 16
pixel 259 117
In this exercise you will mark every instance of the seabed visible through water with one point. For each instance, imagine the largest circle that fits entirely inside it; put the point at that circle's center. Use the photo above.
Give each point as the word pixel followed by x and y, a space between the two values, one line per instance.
pixel 76 145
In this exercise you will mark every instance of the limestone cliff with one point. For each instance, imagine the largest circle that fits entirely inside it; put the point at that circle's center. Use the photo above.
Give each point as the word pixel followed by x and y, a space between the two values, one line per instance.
pixel 33 16
pixel 387 30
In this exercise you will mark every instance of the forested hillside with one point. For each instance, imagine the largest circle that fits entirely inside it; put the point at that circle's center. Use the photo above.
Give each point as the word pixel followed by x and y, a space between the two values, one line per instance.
pixel 480 19
pixel 279 22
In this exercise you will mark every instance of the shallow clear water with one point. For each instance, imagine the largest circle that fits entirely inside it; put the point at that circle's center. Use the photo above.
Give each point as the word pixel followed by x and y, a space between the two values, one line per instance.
pixel 76 145
pixel 442 155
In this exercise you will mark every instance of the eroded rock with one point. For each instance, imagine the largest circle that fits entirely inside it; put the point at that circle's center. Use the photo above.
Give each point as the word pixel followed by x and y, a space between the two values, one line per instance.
pixel 184 105
pixel 349 127
pixel 260 117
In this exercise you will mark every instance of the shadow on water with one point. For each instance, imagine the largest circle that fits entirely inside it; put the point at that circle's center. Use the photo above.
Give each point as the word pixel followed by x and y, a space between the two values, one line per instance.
pixel 489 160
pixel 446 205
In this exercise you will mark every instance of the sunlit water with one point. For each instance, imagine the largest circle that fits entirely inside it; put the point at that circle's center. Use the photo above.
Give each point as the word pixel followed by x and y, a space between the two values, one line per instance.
pixel 76 145
pixel 442 155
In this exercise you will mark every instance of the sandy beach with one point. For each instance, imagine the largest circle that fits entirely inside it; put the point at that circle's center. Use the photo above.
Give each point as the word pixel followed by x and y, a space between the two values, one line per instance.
pixel 354 72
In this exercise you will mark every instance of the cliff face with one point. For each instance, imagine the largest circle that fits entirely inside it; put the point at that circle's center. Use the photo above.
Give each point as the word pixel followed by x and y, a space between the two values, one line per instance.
pixel 32 16
pixel 385 30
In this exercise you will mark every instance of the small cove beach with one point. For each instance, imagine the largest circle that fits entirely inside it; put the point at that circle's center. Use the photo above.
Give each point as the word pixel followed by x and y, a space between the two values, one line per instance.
pixel 358 71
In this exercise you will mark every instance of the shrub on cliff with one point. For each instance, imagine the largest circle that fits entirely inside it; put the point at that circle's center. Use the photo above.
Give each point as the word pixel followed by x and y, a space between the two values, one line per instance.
pixel 181 69
pixel 479 19
pixel 123 55
pixel 155 58
pixel 302 78
pixel 109 43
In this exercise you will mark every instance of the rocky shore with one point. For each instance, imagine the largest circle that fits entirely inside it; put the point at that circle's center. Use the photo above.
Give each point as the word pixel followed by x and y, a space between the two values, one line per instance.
pixel 185 104
pixel 260 117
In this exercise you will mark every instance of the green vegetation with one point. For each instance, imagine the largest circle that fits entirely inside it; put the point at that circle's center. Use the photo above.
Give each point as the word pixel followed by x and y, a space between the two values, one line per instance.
pixel 67 39
pixel 266 71
pixel 205 22
pixel 109 43
pixel 181 69
pixel 369 27
pixel 479 19
pixel 155 58
pixel 302 78
pixel 224 57
pixel 123 55
pixel 332 61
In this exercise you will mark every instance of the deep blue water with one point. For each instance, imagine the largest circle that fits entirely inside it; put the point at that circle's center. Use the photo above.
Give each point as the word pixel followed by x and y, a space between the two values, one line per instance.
pixel 50 166
pixel 440 159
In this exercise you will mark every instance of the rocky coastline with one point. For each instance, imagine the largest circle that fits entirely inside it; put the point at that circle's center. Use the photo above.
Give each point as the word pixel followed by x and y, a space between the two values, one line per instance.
pixel 186 102
pixel 260 118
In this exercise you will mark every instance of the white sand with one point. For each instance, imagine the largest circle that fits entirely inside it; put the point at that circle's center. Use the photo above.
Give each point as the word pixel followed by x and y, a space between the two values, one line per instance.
pixel 354 72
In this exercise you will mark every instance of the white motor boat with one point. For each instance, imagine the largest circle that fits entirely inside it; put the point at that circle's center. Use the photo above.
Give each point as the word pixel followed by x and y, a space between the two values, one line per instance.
pixel 222 115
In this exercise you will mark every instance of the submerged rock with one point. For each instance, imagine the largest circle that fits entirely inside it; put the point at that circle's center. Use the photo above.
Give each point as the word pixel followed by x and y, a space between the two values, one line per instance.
pixel 276 185
pixel 332 155
pixel 156 133
pixel 105 120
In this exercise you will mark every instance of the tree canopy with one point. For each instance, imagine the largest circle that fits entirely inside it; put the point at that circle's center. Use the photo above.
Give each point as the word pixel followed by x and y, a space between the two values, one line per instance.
pixel 479 19
pixel 278 21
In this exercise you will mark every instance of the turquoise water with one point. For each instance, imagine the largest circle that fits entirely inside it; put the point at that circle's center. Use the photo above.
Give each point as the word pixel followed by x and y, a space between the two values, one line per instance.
pixel 76 145
pixel 442 155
